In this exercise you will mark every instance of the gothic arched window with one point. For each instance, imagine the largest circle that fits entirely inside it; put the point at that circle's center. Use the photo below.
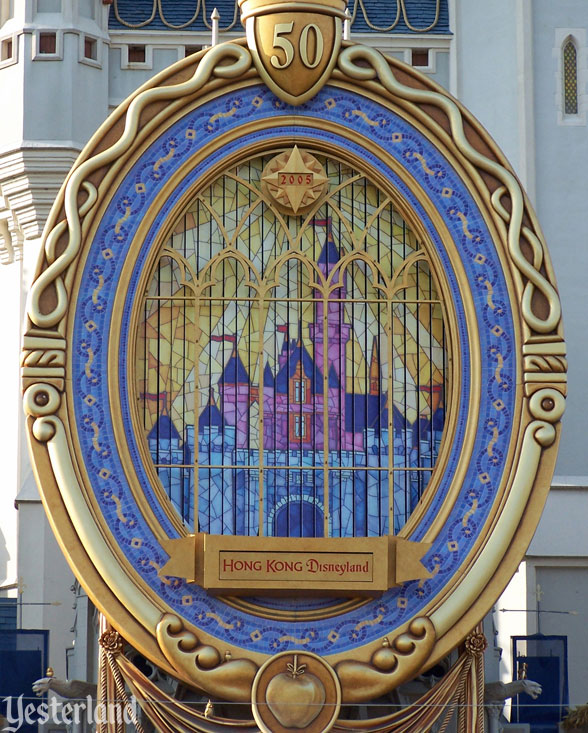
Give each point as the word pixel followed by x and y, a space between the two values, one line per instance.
pixel 570 78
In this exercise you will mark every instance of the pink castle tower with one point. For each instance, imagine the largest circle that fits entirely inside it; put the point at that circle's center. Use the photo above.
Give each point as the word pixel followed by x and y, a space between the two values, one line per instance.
pixel 338 334
pixel 295 404
pixel 293 399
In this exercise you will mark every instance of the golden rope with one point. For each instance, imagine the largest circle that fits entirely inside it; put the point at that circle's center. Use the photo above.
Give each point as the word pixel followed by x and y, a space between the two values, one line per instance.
pixel 183 25
pixel 103 687
pixel 158 8
pixel 480 691
pixel 472 713
pixel 400 8
pixel 414 28
pixel 121 692
pixel 458 697
pixel 385 29
pixel 118 718
pixel 134 25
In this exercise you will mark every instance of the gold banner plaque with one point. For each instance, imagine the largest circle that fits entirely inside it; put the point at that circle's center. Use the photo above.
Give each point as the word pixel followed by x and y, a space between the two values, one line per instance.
pixel 239 565
pixel 306 567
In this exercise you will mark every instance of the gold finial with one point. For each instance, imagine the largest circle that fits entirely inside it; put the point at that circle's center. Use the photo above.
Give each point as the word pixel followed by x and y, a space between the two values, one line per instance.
pixel 49 672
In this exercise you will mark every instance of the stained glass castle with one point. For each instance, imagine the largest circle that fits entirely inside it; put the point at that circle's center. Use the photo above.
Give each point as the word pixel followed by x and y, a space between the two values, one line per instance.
pixel 297 400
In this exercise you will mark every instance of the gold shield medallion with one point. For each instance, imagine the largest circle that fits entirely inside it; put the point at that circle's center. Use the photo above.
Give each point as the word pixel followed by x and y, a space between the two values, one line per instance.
pixel 295 49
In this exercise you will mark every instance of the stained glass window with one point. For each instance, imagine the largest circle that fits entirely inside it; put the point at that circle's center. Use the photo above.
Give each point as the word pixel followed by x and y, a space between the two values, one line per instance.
pixel 292 370
pixel 570 78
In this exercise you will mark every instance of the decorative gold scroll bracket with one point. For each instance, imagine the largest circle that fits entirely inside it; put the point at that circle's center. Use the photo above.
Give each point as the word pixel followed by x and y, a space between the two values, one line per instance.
pixel 397 660
pixel 365 566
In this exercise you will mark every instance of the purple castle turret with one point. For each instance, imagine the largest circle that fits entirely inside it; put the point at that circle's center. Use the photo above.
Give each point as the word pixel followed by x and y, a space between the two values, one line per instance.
pixel 338 334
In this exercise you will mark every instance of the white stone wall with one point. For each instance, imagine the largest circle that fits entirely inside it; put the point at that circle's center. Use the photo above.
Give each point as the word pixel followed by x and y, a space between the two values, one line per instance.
pixel 510 76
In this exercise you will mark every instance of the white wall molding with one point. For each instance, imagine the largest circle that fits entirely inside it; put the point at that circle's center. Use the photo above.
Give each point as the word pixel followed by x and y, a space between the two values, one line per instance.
pixel 11 239
pixel 30 179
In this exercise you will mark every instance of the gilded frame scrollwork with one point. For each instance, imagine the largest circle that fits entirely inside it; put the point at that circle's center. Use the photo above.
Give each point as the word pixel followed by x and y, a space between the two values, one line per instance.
pixel 381 659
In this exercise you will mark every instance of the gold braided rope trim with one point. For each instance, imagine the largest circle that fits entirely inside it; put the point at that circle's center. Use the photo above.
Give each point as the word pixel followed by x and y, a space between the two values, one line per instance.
pixel 209 66
pixel 183 25
pixel 386 29
pixel 400 9
pixel 135 25
pixel 459 698
pixel 480 693
pixel 103 686
pixel 157 7
pixel 121 692
pixel 471 712
pixel 414 28
pixel 111 689
pixel 379 68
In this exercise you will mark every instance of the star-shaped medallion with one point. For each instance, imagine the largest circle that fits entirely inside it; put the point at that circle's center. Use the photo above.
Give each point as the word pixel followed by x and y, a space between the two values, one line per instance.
pixel 294 179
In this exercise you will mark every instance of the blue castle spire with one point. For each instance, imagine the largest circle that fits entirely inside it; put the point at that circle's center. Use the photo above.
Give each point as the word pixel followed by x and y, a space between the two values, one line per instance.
pixel 329 255
pixel 234 372
pixel 164 429
pixel 210 416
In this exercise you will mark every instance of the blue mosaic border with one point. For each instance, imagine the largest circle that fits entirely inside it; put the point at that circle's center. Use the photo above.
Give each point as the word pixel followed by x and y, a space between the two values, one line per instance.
pixel 92 318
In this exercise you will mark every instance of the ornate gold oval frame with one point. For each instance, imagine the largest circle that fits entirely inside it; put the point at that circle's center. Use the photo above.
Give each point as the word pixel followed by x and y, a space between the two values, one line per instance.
pixel 142 616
